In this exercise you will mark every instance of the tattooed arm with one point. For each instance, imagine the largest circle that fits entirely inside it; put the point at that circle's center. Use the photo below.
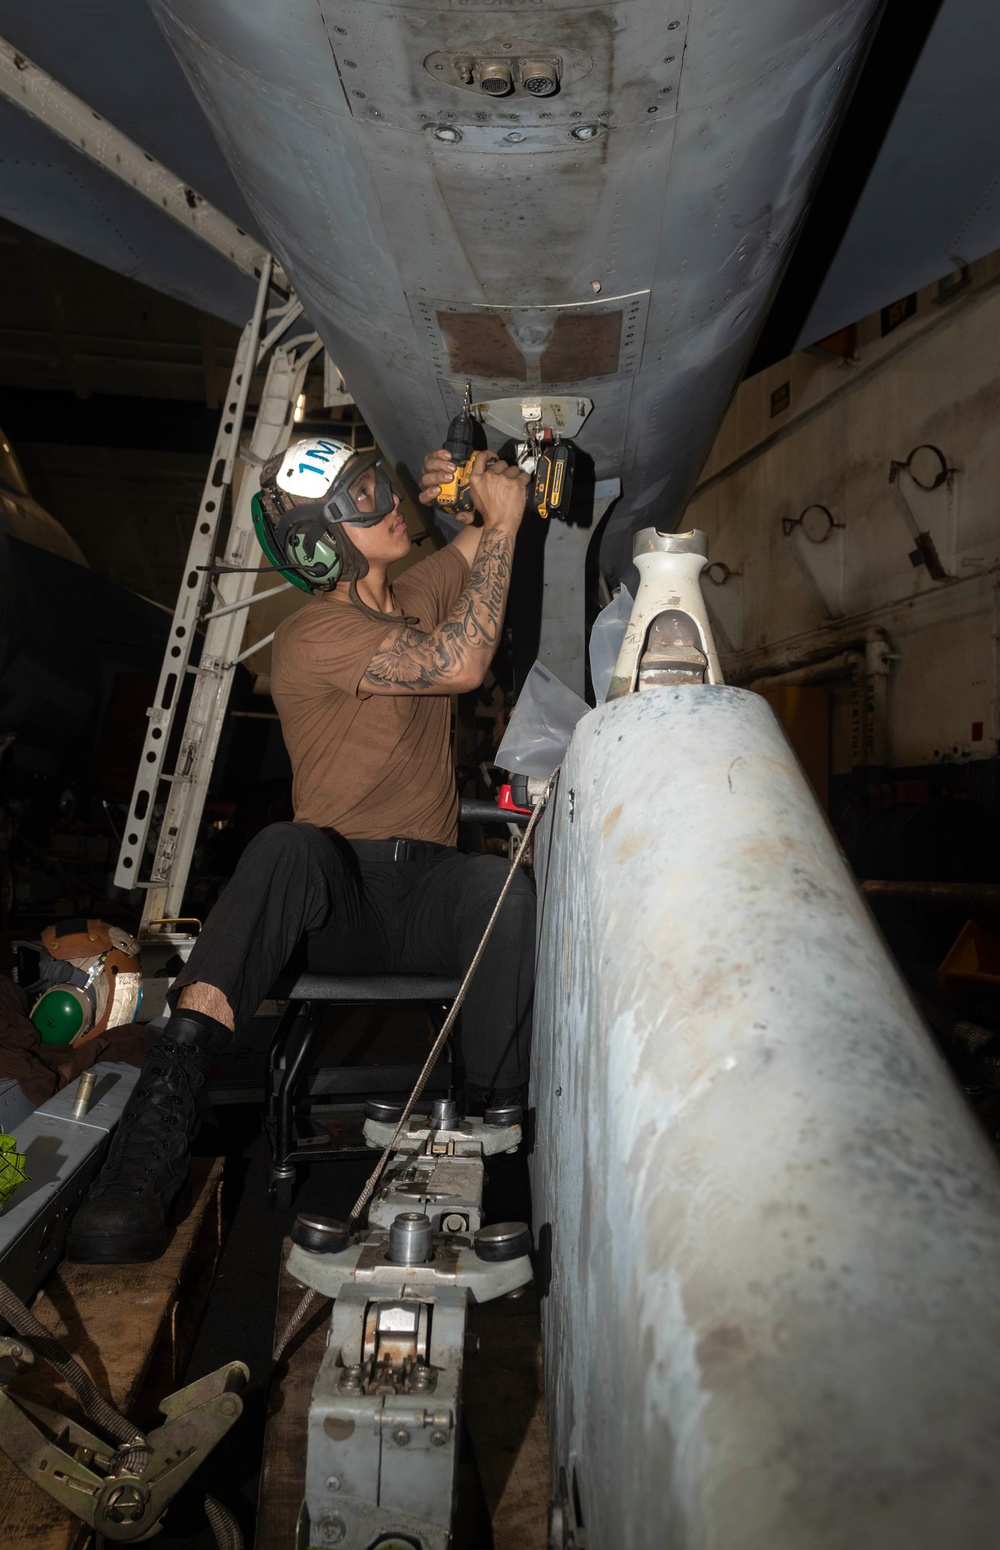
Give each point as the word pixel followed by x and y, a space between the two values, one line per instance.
pixel 454 657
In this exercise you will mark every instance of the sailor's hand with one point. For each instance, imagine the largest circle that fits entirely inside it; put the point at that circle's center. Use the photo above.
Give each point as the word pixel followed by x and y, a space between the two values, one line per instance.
pixel 499 489
pixel 439 469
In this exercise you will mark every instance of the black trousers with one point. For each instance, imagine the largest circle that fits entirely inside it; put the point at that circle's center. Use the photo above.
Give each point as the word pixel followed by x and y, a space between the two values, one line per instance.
pixel 304 899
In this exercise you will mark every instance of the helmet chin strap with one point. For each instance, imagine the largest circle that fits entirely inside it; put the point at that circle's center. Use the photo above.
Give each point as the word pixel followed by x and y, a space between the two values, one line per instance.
pixel 353 564
pixel 355 568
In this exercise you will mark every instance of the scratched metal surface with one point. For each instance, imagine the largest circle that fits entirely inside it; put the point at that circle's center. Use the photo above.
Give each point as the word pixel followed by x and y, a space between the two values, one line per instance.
pixel 711 119
pixel 773 1320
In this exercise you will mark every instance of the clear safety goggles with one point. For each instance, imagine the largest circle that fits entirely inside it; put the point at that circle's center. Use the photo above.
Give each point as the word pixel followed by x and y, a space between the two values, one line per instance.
pixel 341 506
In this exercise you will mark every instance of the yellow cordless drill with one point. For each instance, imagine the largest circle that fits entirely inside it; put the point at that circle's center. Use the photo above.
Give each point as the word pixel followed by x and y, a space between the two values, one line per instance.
pixel 457 494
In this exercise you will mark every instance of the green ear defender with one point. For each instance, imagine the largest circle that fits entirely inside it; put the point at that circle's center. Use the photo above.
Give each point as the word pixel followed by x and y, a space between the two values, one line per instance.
pixel 62 1013
pixel 318 559
pixel 311 563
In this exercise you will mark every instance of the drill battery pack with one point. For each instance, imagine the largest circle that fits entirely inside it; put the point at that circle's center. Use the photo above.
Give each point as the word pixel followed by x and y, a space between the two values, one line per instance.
pixel 552 486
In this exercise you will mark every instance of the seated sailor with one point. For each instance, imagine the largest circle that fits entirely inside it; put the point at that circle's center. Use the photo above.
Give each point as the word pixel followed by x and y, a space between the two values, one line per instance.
pixel 367 875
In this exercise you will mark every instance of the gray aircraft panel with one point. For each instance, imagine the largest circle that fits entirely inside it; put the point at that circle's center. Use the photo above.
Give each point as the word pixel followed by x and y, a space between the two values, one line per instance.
pixel 57 193
pixel 931 202
pixel 383 187
pixel 928 202
pixel 112 54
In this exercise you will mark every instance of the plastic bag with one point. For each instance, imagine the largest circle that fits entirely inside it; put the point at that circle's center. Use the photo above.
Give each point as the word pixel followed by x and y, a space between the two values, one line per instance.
pixel 606 641
pixel 541 725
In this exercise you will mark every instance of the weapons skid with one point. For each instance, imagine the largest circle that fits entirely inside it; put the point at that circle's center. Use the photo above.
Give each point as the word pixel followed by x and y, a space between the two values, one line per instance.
pixel 385 1412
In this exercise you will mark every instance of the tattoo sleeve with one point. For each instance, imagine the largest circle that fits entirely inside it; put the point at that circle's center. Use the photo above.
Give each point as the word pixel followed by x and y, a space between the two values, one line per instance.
pixel 412 662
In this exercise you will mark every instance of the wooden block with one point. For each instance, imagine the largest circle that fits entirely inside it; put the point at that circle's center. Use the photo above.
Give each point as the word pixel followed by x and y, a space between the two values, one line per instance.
pixel 804 712
pixel 113 1319
pixel 505 1414
pixel 283 1469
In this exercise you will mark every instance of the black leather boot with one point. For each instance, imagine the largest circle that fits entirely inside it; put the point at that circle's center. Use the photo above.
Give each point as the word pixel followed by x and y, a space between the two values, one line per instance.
pixel 129 1209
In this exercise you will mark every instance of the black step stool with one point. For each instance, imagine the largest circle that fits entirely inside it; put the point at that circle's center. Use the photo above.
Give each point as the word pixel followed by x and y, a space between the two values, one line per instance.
pixel 286 1079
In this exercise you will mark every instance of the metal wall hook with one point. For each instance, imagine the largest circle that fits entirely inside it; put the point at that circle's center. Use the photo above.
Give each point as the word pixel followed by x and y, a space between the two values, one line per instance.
pixel 818 530
pixel 896 467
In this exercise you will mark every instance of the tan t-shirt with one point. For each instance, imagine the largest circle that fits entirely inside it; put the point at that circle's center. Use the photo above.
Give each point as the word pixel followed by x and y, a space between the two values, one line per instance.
pixel 370 766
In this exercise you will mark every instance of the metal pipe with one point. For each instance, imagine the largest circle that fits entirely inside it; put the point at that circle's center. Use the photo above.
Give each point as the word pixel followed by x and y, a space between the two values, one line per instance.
pixel 840 666
pixel 248 651
pixel 84 1094
pixel 774 1221
pixel 868 666
pixel 964 896
pixel 848 664
pixel 286 316
pixel 244 602
pixel 740 666
pixel 743 667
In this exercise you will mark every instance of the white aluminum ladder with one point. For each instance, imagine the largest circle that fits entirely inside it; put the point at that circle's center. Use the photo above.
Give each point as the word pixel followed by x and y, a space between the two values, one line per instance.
pixel 222 606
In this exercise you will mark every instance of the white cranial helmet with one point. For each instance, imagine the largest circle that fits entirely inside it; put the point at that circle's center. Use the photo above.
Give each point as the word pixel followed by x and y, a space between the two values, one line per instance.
pixel 310 466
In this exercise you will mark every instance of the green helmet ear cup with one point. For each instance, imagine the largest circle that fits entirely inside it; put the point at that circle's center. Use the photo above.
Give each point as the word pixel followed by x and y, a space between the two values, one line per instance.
pixel 60 1014
pixel 321 569
pixel 324 553
pixel 264 533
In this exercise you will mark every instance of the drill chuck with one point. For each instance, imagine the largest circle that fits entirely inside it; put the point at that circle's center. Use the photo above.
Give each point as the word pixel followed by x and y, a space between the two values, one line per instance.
pixel 458 442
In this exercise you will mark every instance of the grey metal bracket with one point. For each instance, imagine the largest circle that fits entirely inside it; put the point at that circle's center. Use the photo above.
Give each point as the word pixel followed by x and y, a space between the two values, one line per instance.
pixel 448 1189
pixel 466 1138
pixel 384 1420
pixel 455 1264
pixel 437 1170
pixel 381 1460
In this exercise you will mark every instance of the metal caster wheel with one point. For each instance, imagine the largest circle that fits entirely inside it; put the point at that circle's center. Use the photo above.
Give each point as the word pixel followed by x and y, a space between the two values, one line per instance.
pixel 280 1190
